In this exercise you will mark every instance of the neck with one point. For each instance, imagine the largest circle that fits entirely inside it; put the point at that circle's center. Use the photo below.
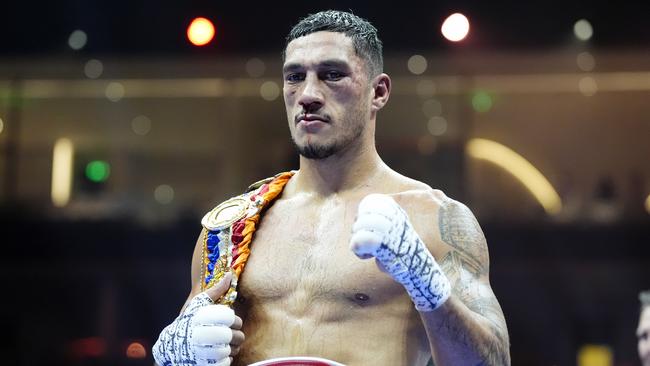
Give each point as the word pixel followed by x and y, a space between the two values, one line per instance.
pixel 340 173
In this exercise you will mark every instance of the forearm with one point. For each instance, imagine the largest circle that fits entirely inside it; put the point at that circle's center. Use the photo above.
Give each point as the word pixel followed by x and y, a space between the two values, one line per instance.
pixel 462 317
pixel 459 336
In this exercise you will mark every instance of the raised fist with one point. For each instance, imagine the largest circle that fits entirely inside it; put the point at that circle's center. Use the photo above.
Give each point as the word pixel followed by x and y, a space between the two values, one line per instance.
pixel 382 230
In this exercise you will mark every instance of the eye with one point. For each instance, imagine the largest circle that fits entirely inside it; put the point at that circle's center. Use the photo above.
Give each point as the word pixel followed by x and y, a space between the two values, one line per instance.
pixel 294 77
pixel 333 75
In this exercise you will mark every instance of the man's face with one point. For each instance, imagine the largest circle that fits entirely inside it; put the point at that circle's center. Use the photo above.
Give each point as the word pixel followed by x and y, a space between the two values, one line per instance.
pixel 643 335
pixel 326 94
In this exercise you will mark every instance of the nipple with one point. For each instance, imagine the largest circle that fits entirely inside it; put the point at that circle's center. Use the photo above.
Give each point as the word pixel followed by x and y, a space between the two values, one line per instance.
pixel 361 296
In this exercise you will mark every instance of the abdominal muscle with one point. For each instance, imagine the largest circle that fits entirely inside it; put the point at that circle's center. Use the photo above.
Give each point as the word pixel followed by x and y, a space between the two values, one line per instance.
pixel 304 293
pixel 343 331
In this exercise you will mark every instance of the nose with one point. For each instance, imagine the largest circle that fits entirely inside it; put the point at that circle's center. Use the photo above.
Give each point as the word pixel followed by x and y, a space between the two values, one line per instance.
pixel 311 96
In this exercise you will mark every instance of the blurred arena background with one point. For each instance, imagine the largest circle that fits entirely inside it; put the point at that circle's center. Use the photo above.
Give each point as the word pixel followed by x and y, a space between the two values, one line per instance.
pixel 117 134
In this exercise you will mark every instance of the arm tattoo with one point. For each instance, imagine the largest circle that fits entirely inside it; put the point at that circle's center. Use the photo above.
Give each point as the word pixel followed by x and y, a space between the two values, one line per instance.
pixel 458 267
pixel 479 298
pixel 459 228
pixel 464 265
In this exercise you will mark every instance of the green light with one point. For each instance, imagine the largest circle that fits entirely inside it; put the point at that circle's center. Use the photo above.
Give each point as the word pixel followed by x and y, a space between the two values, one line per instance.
pixel 98 171
pixel 482 101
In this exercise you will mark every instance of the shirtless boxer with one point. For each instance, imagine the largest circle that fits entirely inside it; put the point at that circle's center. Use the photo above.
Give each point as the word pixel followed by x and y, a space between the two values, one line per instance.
pixel 311 286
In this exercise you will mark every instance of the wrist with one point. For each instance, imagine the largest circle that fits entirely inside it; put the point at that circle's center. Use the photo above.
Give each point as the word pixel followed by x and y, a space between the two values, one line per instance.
pixel 417 269
pixel 435 291
pixel 383 230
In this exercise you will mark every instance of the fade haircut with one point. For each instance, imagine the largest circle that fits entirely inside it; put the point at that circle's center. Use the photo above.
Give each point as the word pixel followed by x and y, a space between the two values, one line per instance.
pixel 367 44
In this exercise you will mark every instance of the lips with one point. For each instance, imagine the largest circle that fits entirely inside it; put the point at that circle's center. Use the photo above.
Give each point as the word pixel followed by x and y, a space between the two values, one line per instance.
pixel 311 118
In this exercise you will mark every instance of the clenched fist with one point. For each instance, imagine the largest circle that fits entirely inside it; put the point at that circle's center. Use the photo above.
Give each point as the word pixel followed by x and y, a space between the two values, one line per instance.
pixel 203 334
pixel 382 230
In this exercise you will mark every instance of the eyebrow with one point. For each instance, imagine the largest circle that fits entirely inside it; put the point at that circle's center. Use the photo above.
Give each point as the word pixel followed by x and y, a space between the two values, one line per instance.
pixel 325 63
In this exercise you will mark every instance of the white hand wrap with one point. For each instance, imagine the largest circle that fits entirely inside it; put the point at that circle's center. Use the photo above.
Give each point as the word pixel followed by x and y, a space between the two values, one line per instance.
pixel 201 335
pixel 383 230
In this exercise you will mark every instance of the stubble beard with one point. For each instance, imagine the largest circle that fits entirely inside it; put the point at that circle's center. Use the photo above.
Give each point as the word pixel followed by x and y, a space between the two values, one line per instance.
pixel 314 151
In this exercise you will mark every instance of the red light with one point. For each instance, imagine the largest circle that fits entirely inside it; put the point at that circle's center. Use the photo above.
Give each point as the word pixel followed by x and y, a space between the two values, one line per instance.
pixel 136 350
pixel 200 32
pixel 87 347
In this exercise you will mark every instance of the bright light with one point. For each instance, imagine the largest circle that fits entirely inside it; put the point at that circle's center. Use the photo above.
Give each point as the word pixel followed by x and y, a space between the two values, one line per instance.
pixel 586 61
pixel 62 158
pixel 520 168
pixel 114 91
pixel 647 203
pixel 482 101
pixel 93 69
pixel 136 350
pixel 2 125
pixel 98 171
pixel 141 125
pixel 582 30
pixel 417 64
pixel 455 28
pixel 437 126
pixel 164 194
pixel 587 86
pixel 270 90
pixel 200 32
pixel 77 40
pixel 595 355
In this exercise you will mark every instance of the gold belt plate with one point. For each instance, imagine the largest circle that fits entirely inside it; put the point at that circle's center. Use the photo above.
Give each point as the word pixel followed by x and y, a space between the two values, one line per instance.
pixel 226 213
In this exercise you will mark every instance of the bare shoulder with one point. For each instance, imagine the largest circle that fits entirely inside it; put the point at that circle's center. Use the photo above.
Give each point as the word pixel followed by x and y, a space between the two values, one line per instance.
pixel 460 230
pixel 417 196
pixel 455 238
pixel 448 226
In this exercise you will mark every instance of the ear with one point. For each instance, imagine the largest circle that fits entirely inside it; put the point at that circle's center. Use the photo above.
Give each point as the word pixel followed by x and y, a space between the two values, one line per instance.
pixel 381 91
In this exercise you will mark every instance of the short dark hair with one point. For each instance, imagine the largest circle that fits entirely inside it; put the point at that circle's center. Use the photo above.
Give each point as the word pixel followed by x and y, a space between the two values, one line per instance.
pixel 367 44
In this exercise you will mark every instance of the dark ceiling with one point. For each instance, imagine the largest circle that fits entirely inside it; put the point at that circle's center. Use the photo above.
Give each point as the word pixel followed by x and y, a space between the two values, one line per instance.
pixel 152 27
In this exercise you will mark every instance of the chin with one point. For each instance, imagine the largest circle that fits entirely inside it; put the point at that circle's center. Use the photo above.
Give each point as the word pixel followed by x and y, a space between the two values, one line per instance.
pixel 315 152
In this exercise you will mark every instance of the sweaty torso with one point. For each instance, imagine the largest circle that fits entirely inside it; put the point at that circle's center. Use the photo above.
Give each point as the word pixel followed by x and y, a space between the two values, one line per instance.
pixel 304 293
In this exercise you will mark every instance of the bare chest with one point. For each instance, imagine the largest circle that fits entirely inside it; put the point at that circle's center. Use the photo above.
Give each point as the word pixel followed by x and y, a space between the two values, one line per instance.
pixel 300 256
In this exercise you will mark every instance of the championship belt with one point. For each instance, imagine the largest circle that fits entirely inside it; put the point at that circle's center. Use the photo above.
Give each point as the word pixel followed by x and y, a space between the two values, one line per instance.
pixel 297 361
pixel 229 229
